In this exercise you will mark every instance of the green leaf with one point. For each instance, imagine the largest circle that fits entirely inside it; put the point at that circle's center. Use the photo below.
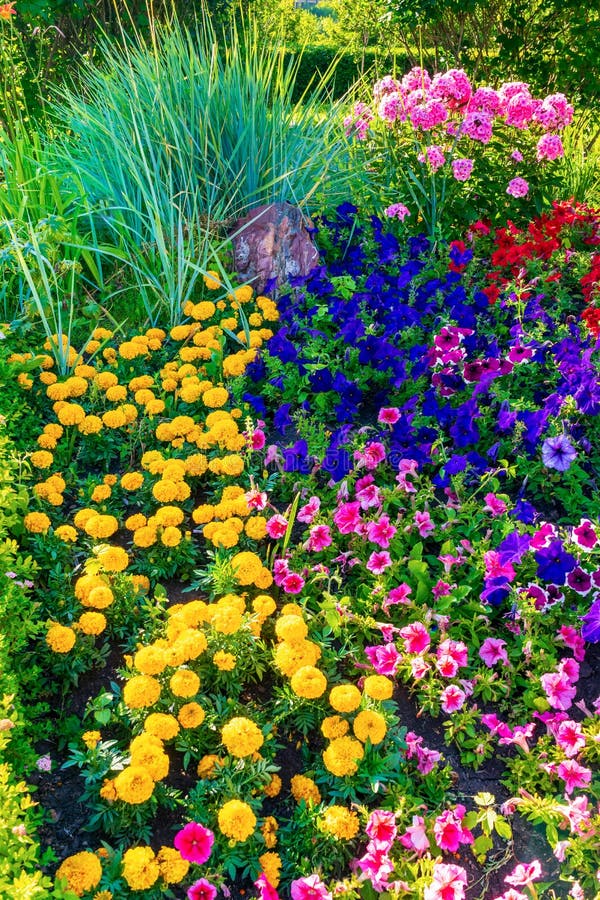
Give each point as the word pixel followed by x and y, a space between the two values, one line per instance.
pixel 502 828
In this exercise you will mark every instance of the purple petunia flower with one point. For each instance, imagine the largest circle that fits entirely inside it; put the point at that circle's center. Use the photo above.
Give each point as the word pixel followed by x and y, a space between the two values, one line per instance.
pixel 554 563
pixel 590 630
pixel 558 453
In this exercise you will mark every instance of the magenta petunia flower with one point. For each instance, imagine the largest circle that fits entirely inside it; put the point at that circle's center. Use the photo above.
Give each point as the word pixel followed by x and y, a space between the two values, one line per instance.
pixel 309 888
pixel 202 890
pixel 194 842
pixel 492 651
pixel 379 562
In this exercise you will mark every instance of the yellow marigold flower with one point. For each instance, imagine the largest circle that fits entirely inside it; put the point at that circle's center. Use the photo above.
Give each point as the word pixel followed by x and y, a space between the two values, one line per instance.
pixel 169 515
pixel 181 332
pixel 171 536
pixel 132 481
pixel 169 384
pixel 342 756
pixel 131 350
pixel 134 785
pixel 173 868
pixel 255 319
pixel 162 725
pixel 225 662
pixel 91 739
pixel 345 697
pixel 291 628
pixel 41 459
pixel 141 382
pixel 264 606
pixel 108 791
pixel 190 393
pixel 242 294
pixel 342 823
pixel 232 465
pixel 86 583
pixel 141 691
pixel 156 334
pixel 101 333
pixel 215 397
pixel 184 683
pixel 37 522
pixel 274 786
pixel 308 682
pixel 113 559
pixel 137 520
pixel 92 623
pixel 155 407
pixel 264 579
pixel 54 498
pixel 101 492
pixel 207 766
pixel 92 346
pixel 60 638
pixel 117 393
pixel 256 528
pixel 212 280
pixel 66 533
pixel 334 727
pixel 57 391
pixel 369 725
pixel 304 788
pixel 236 820
pixel 90 425
pixel 140 868
pixel 140 582
pixel 114 418
pixel 71 414
pixel 289 658
pixel 45 378
pixel 247 566
pixel 145 536
pixel 269 831
pixel 226 619
pixel 378 687
pixel 82 872
pixel 99 597
pixel 196 465
pixel 110 480
pixel 203 310
pixel 143 396
pixel 149 758
pixel 46 442
pixel 100 526
pixel 242 737
pixel 85 371
pixel 191 715
pixel 270 864
pixel 103 895
pixel 192 643
pixel 165 491
pixel 150 660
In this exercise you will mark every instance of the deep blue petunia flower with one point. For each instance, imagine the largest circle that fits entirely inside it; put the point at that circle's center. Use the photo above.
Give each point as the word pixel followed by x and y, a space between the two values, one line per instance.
pixel 296 458
pixel 590 630
pixel 554 563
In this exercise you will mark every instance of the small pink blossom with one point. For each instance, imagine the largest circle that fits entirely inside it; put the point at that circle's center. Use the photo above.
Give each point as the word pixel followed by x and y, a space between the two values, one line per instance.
pixel 319 538
pixel 570 737
pixel 427 759
pixel 292 583
pixel 448 883
pixel 456 649
pixel 194 842
pixel 462 168
pixel 309 888
pixel 265 889
pixel 517 187
pixel 277 527
pixel 388 415
pixel 419 667
pixel 308 512
pixel 202 890
pixel 524 874
pixel 494 505
pixel 371 456
pixel 397 595
pixel 424 523
pixel 452 698
pixel 416 637
pixel 493 651
pixel 384 659
pixel 574 775
pixel 379 562
pixel 256 499
pixel 369 496
pixel 347 517
pixel 549 147
pixel 381 531
pixel 44 764
pixel 397 211
pixel 415 836
pixel 448 829
pixel 381 828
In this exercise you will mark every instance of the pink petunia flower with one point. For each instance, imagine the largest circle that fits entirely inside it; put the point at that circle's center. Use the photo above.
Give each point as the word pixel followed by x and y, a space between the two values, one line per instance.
pixel 452 698
pixel 319 538
pixel 381 532
pixel 494 505
pixel 347 517
pixel 416 637
pixel 202 890
pixel 384 659
pixel 309 888
pixel 388 415
pixel 574 775
pixel 448 883
pixel 493 651
pixel 424 523
pixel 379 562
pixel 292 583
pixel 266 891
pixel 415 836
pixel 381 828
pixel 524 874
pixel 277 527
pixel 194 842
pixel 570 737
pixel 308 512
pixel 448 829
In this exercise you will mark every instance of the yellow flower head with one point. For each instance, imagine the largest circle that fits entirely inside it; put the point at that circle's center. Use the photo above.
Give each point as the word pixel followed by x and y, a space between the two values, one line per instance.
pixel 140 868
pixel 242 737
pixel 92 623
pixel 304 788
pixel 334 727
pixel 184 683
pixel 82 872
pixel 342 756
pixel 369 725
pixel 291 629
pixel 378 687
pixel 37 522
pixel 236 820
pixel 60 638
pixel 345 697
pixel 308 682
pixel 134 785
pixel 342 823
pixel 141 691
pixel 173 868
pixel 162 725
pixel 191 715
